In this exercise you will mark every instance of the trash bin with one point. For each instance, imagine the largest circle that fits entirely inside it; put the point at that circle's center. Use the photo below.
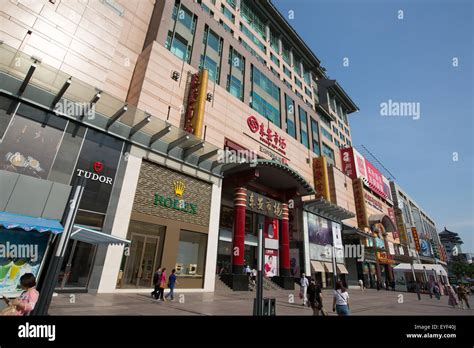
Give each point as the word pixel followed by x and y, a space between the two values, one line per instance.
pixel 269 306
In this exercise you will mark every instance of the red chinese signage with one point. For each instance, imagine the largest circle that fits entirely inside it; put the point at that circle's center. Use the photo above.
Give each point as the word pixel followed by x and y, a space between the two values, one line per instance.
pixel 348 164
pixel 391 215
pixel 415 238
pixel 375 179
pixel 267 136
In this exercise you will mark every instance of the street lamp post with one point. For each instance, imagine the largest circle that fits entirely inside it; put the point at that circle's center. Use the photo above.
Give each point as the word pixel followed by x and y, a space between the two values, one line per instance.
pixel 48 283
pixel 427 281
pixel 259 296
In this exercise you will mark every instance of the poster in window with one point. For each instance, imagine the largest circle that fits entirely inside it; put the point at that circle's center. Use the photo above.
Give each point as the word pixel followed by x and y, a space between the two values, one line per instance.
pixel 29 148
pixel 271 263
pixel 20 252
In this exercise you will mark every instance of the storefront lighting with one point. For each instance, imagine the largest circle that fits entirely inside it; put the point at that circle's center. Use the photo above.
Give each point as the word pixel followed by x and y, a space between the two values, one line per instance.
pixel 176 142
pixel 61 92
pixel 190 150
pixel 140 125
pixel 116 116
pixel 207 155
pixel 154 138
pixel 22 88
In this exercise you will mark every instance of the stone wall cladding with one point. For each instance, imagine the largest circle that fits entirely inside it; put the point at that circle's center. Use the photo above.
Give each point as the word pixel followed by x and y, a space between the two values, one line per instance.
pixel 157 179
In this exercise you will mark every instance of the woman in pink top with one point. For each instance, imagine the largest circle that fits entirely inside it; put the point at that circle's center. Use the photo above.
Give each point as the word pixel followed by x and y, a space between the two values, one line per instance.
pixel 26 302
pixel 161 290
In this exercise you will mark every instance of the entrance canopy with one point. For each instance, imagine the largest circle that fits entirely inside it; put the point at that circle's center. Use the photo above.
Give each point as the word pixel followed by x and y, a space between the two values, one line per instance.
pixel 327 209
pixel 421 267
pixel 272 174
pixel 342 268
pixel 91 236
pixel 317 266
pixel 384 220
pixel 29 223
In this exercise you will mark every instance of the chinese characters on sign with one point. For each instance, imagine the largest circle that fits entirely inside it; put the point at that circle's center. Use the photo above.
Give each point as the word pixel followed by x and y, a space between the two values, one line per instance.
pixel 375 179
pixel 321 181
pixel 267 136
pixel 372 201
pixel 362 220
pixel 263 205
pixel 415 238
pixel 384 258
pixel 391 215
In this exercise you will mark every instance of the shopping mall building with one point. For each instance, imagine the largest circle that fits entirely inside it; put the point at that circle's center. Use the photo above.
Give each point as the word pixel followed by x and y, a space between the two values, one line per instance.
pixel 142 99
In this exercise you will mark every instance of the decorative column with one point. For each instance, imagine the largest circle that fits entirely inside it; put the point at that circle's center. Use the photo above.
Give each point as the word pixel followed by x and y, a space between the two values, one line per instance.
pixel 240 203
pixel 285 243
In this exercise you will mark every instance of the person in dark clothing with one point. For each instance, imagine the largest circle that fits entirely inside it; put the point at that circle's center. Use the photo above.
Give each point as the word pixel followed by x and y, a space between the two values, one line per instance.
pixel 156 283
pixel 314 297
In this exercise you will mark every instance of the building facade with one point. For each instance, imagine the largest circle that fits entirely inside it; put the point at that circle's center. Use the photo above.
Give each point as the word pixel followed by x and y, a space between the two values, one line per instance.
pixel 146 94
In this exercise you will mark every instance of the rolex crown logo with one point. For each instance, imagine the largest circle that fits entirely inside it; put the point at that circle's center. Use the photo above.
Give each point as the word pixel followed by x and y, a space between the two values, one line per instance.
pixel 178 188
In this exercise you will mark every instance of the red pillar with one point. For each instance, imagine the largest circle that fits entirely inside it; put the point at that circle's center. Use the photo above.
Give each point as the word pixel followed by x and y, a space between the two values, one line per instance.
pixel 238 248
pixel 285 243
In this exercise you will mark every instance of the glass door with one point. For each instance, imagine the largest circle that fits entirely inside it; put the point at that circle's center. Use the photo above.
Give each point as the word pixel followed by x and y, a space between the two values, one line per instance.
pixel 76 268
pixel 141 264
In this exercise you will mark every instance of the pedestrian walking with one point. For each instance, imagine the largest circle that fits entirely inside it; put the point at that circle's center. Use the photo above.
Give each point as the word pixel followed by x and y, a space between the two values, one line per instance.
pixel 161 289
pixel 171 283
pixel 156 283
pixel 437 291
pixel 462 296
pixel 340 303
pixel 304 288
pixel 361 284
pixel 315 299
pixel 452 301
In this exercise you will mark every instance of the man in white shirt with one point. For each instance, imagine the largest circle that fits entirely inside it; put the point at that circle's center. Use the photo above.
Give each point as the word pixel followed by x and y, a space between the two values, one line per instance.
pixel 304 287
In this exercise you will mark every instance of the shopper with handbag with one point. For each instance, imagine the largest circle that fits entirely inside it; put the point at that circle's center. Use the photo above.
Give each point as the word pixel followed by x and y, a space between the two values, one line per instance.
pixel 340 303
pixel 161 290
pixel 315 300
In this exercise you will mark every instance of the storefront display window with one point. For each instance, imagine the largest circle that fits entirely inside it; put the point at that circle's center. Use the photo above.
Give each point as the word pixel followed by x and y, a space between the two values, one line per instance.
pixel 29 146
pixel 191 257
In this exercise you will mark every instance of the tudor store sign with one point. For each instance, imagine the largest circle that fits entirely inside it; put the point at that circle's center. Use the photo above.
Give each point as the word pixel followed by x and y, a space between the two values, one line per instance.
pixel 95 174
pixel 177 202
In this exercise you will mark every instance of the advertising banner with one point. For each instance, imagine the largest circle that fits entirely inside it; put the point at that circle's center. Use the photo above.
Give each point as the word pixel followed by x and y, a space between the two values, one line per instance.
pixel 374 178
pixel 321 182
pixel 271 263
pixel 320 230
pixel 415 238
pixel 20 252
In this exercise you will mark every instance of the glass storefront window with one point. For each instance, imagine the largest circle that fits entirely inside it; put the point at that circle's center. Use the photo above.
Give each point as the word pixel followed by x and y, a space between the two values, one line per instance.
pixel 191 257
pixel 29 145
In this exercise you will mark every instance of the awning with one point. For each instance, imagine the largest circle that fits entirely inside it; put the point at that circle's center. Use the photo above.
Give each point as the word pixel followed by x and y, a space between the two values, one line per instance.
pixel 271 174
pixel 421 267
pixel 348 230
pixel 328 266
pixel 91 236
pixel 385 220
pixel 342 269
pixel 317 266
pixel 29 223
pixel 327 209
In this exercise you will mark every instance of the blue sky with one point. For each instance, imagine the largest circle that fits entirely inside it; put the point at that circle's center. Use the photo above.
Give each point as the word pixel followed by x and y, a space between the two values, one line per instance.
pixel 405 60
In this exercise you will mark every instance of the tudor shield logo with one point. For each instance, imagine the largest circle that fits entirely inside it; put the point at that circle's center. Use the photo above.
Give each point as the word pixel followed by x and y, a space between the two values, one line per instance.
pixel 98 166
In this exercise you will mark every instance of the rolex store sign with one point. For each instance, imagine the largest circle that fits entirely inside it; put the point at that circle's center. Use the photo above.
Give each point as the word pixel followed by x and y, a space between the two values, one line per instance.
pixel 175 200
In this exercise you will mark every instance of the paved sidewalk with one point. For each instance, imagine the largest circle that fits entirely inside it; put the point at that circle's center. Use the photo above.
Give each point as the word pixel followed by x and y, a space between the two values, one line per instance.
pixel 369 302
